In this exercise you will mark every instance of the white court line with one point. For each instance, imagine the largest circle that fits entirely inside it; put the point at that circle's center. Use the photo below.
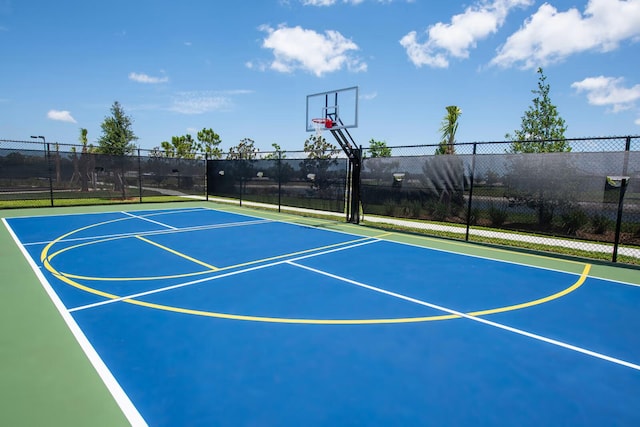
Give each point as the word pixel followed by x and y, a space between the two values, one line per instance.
pixel 149 220
pixel 474 318
pixel 163 211
pixel 350 245
pixel 127 407
pixel 154 232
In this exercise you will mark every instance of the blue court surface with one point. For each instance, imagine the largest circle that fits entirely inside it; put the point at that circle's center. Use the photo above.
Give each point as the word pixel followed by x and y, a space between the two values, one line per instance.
pixel 196 316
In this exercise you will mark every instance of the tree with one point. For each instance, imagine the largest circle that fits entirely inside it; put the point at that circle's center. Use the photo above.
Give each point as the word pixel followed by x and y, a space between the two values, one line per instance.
pixel 117 134
pixel 84 161
pixel 208 142
pixel 542 129
pixel 244 155
pixel 156 153
pixel 281 170
pixel 245 150
pixel 317 147
pixel 448 129
pixel 180 147
pixel 277 153
pixel 379 167
pixel 116 140
pixel 320 157
pixel 378 149
pixel 56 158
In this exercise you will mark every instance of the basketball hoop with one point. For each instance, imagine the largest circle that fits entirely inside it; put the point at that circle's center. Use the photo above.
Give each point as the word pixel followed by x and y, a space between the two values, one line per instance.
pixel 321 124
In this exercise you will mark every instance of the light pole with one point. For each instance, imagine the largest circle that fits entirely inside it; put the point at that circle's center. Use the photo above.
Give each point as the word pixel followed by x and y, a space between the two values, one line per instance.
pixel 47 155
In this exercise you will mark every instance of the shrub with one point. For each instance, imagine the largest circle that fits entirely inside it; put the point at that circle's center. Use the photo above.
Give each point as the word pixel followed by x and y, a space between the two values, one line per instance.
pixel 416 208
pixel 438 210
pixel 388 207
pixel 497 216
pixel 600 224
pixel 473 217
pixel 573 220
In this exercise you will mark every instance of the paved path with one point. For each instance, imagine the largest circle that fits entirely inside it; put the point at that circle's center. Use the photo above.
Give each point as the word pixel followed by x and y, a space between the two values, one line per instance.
pixel 549 241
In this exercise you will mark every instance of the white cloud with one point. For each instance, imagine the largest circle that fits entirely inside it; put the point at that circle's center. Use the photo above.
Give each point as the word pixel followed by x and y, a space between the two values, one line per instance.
pixel 322 3
pixel 318 2
pixel 608 92
pixel 144 78
pixel 297 48
pixel 369 96
pixel 457 38
pixel 637 121
pixel 550 36
pixel 200 102
pixel 61 116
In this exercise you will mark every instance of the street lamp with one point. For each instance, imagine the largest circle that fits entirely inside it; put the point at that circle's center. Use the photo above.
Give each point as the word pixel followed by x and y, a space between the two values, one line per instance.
pixel 47 155
pixel 44 141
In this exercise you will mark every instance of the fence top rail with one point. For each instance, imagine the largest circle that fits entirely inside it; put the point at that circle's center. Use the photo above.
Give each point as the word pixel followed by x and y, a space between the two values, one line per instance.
pixel 584 139
pixel 299 154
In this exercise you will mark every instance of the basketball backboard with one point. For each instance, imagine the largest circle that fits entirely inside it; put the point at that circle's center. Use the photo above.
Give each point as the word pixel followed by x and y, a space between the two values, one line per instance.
pixel 338 107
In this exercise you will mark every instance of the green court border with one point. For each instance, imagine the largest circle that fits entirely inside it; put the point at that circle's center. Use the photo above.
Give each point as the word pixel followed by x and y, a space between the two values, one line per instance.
pixel 45 377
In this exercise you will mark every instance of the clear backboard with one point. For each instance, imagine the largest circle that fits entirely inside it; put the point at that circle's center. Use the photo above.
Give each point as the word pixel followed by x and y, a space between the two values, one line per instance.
pixel 338 109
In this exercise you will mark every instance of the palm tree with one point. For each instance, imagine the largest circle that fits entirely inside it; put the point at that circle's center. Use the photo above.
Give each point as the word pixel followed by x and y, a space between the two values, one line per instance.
pixel 84 161
pixel 448 129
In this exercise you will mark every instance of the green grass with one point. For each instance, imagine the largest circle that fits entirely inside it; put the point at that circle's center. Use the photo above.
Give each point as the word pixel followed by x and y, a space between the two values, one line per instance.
pixel 85 201
pixel 509 243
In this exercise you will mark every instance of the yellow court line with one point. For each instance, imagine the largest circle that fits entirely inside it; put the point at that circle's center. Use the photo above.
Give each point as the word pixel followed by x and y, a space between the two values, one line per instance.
pixel 141 279
pixel 294 254
pixel 79 245
pixel 581 280
pixel 470 245
pixel 265 319
pixel 48 247
pixel 67 279
pixel 180 254
pixel 230 267
pixel 85 288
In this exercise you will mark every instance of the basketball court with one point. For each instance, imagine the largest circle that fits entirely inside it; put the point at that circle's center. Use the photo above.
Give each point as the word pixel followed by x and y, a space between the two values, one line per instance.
pixel 218 316
pixel 201 313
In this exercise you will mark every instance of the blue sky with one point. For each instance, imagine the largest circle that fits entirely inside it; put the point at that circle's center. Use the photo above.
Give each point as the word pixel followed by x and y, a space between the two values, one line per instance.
pixel 244 68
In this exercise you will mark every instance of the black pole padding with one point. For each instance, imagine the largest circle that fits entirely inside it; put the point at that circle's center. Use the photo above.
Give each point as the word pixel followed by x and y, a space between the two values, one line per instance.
pixel 616 243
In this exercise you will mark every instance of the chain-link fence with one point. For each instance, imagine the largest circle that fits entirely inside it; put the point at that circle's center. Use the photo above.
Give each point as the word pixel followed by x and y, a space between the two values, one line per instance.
pixel 282 179
pixel 33 175
pixel 582 202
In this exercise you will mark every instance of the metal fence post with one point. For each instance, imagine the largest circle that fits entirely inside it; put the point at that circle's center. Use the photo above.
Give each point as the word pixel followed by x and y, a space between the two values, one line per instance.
pixel 279 180
pixel 50 171
pixel 473 172
pixel 623 187
pixel 206 176
pixel 139 175
pixel 241 176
